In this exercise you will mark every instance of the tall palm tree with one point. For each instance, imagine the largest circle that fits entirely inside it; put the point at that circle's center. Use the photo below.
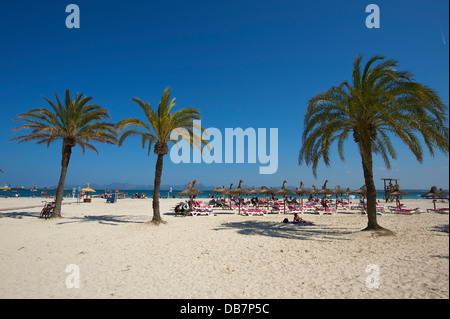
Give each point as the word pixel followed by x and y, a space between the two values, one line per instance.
pixel 76 121
pixel 156 130
pixel 381 102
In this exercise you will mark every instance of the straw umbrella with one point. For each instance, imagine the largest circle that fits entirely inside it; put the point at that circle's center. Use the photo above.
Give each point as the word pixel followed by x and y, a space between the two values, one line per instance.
pixel 255 191
pixel 432 193
pixel 284 191
pixel 227 192
pixel 191 191
pixel 325 191
pixel 216 190
pixel 314 191
pixel 87 190
pixel 300 191
pixel 397 193
pixel 222 190
pixel 442 192
pixel 361 191
pixel 265 190
pixel 238 191
pixel 348 192
pixel 338 191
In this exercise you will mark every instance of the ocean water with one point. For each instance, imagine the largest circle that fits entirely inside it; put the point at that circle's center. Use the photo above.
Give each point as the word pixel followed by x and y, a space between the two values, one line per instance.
pixel 413 193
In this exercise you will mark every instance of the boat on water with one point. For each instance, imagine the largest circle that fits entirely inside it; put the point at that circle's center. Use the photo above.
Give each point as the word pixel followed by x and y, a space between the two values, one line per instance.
pixel 5 188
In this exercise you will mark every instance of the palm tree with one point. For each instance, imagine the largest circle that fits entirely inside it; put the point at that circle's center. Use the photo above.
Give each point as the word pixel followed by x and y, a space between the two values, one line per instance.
pixel 75 121
pixel 156 130
pixel 380 103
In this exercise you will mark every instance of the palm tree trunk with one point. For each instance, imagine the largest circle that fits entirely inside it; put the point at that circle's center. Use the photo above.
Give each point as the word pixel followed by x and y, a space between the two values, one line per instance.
pixel 158 172
pixel 66 152
pixel 371 192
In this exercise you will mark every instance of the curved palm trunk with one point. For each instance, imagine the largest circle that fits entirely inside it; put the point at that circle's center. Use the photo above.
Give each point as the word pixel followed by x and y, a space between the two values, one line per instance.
pixel 66 152
pixel 371 193
pixel 158 172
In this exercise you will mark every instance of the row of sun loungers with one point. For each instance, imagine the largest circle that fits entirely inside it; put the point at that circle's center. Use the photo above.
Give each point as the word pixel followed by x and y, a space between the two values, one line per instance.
pixel 279 207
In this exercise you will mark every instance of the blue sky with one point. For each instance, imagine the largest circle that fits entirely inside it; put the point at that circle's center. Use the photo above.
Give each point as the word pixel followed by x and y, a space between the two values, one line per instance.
pixel 241 63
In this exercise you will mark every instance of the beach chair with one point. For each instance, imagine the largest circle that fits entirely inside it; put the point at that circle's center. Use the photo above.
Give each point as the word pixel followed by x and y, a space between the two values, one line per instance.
pixel 276 209
pixel 254 212
pixel 293 209
pixel 112 199
pixel 201 211
pixel 308 208
pixel 380 210
pixel 325 211
pixel 405 211
pixel 438 210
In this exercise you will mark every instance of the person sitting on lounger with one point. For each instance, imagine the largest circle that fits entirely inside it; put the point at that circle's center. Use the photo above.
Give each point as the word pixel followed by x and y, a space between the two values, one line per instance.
pixel 179 208
pixel 298 219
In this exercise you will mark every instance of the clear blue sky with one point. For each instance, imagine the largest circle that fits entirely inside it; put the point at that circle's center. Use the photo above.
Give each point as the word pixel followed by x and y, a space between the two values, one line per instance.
pixel 241 63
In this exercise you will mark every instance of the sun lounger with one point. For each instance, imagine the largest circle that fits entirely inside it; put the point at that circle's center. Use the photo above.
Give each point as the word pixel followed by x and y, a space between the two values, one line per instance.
pixel 276 209
pixel 328 211
pixel 293 209
pixel 254 212
pixel 201 211
pixel 112 198
pixel 308 208
pixel 405 211
pixel 438 210
pixel 379 212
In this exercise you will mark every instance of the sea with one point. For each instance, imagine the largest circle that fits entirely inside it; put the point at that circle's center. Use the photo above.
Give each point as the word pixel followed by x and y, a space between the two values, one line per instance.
pixel 413 193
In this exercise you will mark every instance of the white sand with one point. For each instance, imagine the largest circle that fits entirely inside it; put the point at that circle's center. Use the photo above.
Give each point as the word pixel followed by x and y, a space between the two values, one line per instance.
pixel 119 255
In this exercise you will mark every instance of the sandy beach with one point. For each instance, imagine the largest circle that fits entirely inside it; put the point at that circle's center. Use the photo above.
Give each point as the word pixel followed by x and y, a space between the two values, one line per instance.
pixel 224 255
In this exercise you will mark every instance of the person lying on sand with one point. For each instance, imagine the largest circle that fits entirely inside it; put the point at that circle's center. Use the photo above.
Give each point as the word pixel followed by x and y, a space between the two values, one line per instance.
pixel 298 219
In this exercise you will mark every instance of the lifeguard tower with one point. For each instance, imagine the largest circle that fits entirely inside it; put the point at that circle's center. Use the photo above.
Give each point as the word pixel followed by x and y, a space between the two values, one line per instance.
pixel 388 188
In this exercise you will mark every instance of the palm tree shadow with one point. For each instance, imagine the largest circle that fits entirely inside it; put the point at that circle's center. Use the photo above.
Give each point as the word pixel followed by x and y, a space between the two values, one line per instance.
pixel 19 215
pixel 113 220
pixel 441 229
pixel 287 230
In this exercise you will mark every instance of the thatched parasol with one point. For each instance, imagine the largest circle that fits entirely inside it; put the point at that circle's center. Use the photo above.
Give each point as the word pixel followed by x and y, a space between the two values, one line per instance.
pixel 397 193
pixel 265 190
pixel 442 192
pixel 254 191
pixel 88 189
pixel 300 191
pixel 434 193
pixel 216 190
pixel 325 190
pixel 338 191
pixel 238 191
pixel 314 191
pixel 361 191
pixel 284 191
pixel 191 191
pixel 222 190
pixel 227 192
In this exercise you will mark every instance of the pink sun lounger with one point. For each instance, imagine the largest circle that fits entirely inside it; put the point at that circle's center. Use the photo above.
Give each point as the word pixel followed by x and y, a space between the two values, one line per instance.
pixel 254 212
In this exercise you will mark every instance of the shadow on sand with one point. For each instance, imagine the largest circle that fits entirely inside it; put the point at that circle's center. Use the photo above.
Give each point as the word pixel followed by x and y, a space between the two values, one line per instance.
pixel 101 219
pixel 287 230
pixel 444 229
pixel 113 220
pixel 20 215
